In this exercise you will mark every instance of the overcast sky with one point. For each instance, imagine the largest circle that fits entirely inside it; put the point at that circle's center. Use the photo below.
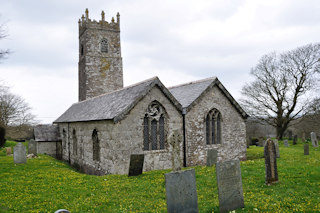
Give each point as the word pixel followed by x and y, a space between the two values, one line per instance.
pixel 177 40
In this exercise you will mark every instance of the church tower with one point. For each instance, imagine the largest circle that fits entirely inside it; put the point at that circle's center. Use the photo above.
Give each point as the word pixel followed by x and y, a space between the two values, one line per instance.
pixel 100 62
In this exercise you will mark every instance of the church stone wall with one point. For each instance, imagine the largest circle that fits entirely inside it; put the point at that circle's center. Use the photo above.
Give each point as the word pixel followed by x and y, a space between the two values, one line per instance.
pixel 119 140
pixel 233 130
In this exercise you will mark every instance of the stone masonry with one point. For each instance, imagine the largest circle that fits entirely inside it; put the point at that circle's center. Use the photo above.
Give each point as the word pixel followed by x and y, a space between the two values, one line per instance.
pixel 119 140
pixel 100 62
pixel 233 130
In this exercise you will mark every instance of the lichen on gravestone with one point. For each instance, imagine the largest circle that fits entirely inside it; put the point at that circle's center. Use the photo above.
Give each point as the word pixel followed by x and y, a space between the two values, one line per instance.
pixel 175 143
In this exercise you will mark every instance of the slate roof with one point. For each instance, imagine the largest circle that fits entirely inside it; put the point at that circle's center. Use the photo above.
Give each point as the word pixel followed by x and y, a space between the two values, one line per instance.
pixel 187 94
pixel 113 106
pixel 46 133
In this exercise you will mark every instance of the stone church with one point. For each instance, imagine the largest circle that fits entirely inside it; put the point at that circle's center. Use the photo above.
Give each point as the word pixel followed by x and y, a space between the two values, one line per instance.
pixel 110 122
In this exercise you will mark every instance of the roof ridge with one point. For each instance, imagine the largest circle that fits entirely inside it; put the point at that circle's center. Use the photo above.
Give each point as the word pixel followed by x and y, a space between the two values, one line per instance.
pixel 132 85
pixel 193 82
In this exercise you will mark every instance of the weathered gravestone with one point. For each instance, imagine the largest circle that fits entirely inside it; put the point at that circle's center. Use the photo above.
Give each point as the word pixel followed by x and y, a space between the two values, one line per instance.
pixel 290 134
pixel 175 142
pixel 271 163
pixel 285 143
pixel 229 185
pixel 295 139
pixel 19 153
pixel 314 139
pixel 306 149
pixel 212 156
pixel 277 147
pixel 181 191
pixel 62 211
pixel 303 137
pixel 8 150
pixel 136 165
pixel 32 147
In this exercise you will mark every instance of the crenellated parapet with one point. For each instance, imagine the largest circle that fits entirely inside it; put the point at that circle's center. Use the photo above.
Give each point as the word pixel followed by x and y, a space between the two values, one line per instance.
pixel 85 22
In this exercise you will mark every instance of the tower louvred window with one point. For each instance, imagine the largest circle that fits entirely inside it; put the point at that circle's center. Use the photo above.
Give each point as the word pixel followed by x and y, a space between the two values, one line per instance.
pixel 104 45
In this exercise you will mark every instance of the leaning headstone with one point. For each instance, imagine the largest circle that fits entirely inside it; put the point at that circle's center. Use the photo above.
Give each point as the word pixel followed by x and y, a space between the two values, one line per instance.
pixel 277 147
pixel 8 150
pixel 181 191
pixel 212 156
pixel 314 139
pixel 19 153
pixel 285 143
pixel 136 165
pixel 175 142
pixel 295 139
pixel 303 137
pixel 271 163
pixel 32 147
pixel 229 185
pixel 306 149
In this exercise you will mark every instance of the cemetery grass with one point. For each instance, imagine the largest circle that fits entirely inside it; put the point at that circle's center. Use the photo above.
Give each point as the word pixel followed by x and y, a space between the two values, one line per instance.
pixel 45 185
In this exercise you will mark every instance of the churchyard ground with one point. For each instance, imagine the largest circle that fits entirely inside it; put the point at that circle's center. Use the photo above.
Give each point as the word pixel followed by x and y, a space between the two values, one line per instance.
pixel 45 185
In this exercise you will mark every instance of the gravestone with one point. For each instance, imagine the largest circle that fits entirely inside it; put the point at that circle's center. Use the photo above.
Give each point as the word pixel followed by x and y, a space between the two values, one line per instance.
pixel 303 137
pixel 277 147
pixel 212 156
pixel 314 139
pixel 229 185
pixel 175 142
pixel 32 147
pixel 260 143
pixel 62 211
pixel 136 165
pixel 295 139
pixel 306 149
pixel 290 134
pixel 181 191
pixel 285 143
pixel 8 150
pixel 270 163
pixel 19 153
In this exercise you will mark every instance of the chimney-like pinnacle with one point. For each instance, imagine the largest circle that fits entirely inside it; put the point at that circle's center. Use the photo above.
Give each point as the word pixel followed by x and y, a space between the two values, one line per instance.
pixel 87 14
pixel 112 20
pixel 102 16
pixel 118 18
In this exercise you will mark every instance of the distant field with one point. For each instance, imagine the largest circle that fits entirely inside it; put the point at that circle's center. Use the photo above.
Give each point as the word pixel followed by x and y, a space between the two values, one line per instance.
pixel 45 185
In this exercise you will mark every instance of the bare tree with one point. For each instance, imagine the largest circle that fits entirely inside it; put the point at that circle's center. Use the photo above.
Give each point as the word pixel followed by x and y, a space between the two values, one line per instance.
pixel 3 34
pixel 283 86
pixel 13 109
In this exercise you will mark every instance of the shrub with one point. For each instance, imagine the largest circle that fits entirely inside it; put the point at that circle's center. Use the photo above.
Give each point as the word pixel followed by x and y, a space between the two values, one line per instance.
pixel 2 135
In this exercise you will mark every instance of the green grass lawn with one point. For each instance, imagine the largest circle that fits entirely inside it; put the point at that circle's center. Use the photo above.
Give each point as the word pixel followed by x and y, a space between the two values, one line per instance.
pixel 45 185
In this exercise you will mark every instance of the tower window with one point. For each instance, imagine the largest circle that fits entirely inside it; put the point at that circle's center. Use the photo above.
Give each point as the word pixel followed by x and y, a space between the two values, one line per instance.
pixel 104 45
pixel 213 127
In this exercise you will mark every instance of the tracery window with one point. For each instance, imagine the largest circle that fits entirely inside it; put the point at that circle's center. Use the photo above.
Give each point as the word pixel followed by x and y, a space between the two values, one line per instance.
pixel 213 127
pixel 95 145
pixel 104 45
pixel 154 127
pixel 75 142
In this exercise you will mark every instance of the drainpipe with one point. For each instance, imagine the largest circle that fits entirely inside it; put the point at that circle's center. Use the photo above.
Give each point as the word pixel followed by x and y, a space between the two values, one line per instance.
pixel 184 138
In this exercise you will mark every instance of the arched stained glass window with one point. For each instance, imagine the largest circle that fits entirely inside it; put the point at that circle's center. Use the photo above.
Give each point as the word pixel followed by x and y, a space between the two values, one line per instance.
pixel 154 135
pixel 213 127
